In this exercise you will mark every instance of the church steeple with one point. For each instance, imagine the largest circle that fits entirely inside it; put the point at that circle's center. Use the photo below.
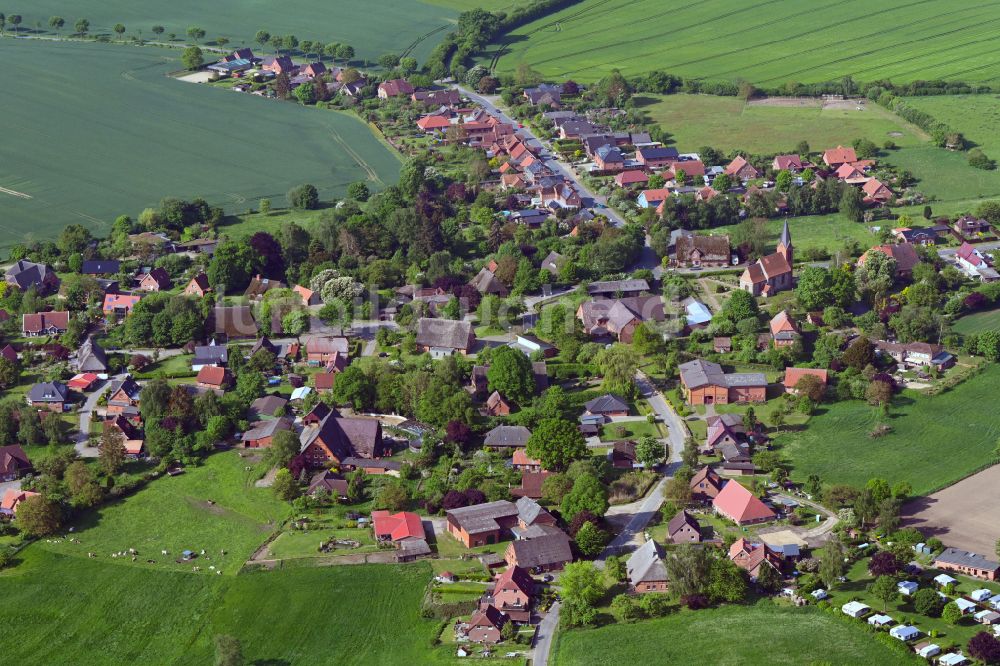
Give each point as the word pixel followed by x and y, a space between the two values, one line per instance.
pixel 785 244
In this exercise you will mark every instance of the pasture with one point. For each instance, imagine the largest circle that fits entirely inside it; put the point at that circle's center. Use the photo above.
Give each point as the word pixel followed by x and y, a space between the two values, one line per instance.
pixel 962 515
pixel 93 131
pixel 922 448
pixel 766 42
pixel 213 507
pixel 68 610
pixel 728 123
pixel 405 27
pixel 765 633
pixel 976 116
pixel 821 232
pixel 977 322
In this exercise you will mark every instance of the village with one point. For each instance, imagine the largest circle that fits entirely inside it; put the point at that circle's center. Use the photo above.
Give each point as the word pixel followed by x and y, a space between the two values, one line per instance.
pixel 549 380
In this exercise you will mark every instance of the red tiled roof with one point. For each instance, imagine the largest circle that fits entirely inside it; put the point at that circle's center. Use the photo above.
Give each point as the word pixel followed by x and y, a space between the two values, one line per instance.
pixel 839 155
pixel 82 382
pixel 125 301
pixel 793 375
pixel 631 178
pixel 740 505
pixel 521 458
pixel 212 375
pixel 398 526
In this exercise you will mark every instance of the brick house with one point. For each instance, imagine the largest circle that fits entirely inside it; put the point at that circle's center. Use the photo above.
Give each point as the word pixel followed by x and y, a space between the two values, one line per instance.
pixel 772 273
pixel 970 564
pixel 706 484
pixel 752 557
pixel 548 549
pixel 335 440
pixel 155 280
pixel 14 463
pixel 482 524
pixel 262 433
pixel 645 569
pixel 704 383
pixel 702 251
pixel 742 169
pixel 51 396
pixel 683 528
pixel 124 393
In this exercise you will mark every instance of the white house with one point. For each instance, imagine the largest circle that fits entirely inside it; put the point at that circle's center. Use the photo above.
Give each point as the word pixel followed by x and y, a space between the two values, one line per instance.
pixel 855 609
pixel 965 605
pixel 981 595
pixel 879 620
pixel 907 587
pixel 952 659
pixel 995 602
pixel 944 580
pixel 987 617
pixel 929 650
pixel 904 632
pixel 819 594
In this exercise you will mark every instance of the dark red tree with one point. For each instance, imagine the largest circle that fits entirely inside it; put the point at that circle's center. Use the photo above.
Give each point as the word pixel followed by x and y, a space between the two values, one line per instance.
pixel 474 496
pixel 883 563
pixel 454 499
pixel 985 647
pixel 270 252
pixel 458 433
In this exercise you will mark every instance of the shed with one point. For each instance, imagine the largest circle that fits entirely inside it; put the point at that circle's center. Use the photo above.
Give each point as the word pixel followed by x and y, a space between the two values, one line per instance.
pixel 879 620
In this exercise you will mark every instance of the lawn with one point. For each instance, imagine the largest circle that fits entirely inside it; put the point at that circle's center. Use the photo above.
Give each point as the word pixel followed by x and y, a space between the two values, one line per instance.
pixel 977 322
pixel 300 543
pixel 822 232
pixel 70 610
pixel 213 508
pixel 922 448
pixel 629 430
pixel 395 26
pixel 759 634
pixel 728 123
pixel 93 131
pixel 171 366
pixel 946 175
pixel 766 43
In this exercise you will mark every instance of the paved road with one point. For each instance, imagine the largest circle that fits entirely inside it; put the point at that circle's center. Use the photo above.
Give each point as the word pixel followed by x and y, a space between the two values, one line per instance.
pixel 556 165
pixel 677 431
pixel 543 637
pixel 86 415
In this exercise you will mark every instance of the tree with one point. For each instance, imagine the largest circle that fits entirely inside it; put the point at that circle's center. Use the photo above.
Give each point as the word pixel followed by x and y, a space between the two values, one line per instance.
pixel 228 650
pixel 157 30
pixel 619 365
pixel 615 568
pixel 555 442
pixel 192 58
pixel 727 582
pixel 56 22
pixel 111 451
pixel 510 373
pixel 886 590
pixel 587 494
pixel 852 204
pixel 625 608
pixel 769 580
pixel 928 602
pixel 814 290
pixel 303 197
pixel 345 52
pixel 284 447
pixel 860 354
pixel 649 451
pixel 295 322
pixel 591 539
pixel 82 26
pixel 195 33
pixel 831 562
pixel 10 374
pixel 306 94
pixel 985 647
pixel 689 570
pixel 883 563
pixel 15 20
pixel 232 266
pixel 879 394
pixel 37 516
pixel 356 486
pixel 951 613
pixel 741 305
pixel 876 275
pixel 285 486
pixel 392 496
pixel 119 29
pixel 358 191
pixel 582 587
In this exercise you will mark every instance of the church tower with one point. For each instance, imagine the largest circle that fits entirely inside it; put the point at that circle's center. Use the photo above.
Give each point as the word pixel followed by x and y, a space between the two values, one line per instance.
pixel 785 244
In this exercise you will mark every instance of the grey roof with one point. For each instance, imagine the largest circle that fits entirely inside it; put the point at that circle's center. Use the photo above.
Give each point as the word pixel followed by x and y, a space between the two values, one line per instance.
pixel 966 559
pixel 606 403
pixel 746 379
pixel 210 354
pixel 646 564
pixel 616 286
pixel 266 428
pixel 100 266
pixel 486 282
pixel 48 392
pixel 444 333
pixel 24 274
pixel 553 262
pixel 90 357
pixel 507 435
pixel 267 406
pixel 658 153
pixel 528 510
pixel 551 548
pixel 699 373
pixel 786 236
pixel 129 385
pixel 482 517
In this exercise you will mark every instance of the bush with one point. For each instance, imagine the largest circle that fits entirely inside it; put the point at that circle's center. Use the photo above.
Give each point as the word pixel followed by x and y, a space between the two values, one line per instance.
pixel 303 197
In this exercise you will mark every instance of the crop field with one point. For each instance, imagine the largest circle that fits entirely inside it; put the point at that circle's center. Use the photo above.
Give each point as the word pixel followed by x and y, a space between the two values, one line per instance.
pixel 405 27
pixel 766 42
pixel 731 635
pixel 67 610
pixel 213 508
pixel 728 123
pixel 921 449
pixel 962 515
pixel 93 131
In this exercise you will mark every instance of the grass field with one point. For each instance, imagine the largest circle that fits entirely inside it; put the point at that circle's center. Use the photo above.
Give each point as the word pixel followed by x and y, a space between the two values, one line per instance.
pixel 825 232
pixel 214 507
pixel 728 635
pixel 976 116
pixel 922 448
pixel 77 611
pixel 977 322
pixel 766 42
pixel 728 123
pixel 94 131
pixel 392 26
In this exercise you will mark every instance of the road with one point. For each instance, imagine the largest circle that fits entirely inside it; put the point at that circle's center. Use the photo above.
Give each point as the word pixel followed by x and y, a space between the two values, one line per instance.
pixel 86 414
pixel 557 166
pixel 543 637
pixel 948 254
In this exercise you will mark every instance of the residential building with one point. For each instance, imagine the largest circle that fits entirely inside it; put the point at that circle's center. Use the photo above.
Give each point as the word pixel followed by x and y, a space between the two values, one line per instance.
pixel 742 169
pixel 497 405
pixel 622 455
pixel 976 264
pixel 261 434
pixel 12 497
pixel 694 251
pixel 507 437
pixel 331 482
pixel 656 157
pixel 916 354
pixel 261 285
pixel 210 354
pixel 213 377
pixel 969 564
pixel 784 330
pixel 444 337
pixel 683 528
pixel 45 323
pixel 482 524
pixel 394 88
pixel 971 228
pixel 619 317
pixel 904 254
pixel 198 286
pixel 484 626
pixel 607 405
pixel 792 163
pixel 14 463
pixel 724 429
pixel 793 375
pixel 704 383
pixel 834 157
pixel 752 557
pixel 232 323
pixel 511 593
pixel 122 395
pixel 155 280
pixel 119 305
pixel 91 357
pixel 548 549
pixel 645 570
pixel 334 439
pixel 617 288
pixel 706 484
pixel 51 396
pixel 23 274
pixel 323 349
pixel 100 267
pixel 404 530
pixel 741 506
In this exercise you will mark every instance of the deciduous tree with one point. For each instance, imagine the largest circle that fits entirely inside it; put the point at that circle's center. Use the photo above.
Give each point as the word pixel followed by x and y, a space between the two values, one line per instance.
pixel 556 443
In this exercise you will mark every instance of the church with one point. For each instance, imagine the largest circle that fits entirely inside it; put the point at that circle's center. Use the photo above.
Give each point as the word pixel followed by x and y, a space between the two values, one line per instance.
pixel 773 273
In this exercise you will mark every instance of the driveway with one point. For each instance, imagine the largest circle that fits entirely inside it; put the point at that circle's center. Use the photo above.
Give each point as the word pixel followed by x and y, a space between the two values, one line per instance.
pixel 557 166
pixel 86 415
pixel 677 431
pixel 543 637
pixel 9 485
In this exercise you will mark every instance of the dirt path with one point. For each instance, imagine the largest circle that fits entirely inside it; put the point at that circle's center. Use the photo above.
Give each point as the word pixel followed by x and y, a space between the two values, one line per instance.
pixel 711 298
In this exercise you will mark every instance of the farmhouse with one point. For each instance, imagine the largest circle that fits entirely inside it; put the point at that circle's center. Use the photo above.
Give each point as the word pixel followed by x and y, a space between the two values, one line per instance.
pixel 752 557
pixel 683 528
pixel 511 593
pixel 497 405
pixel 522 463
pixel 24 274
pixel 784 330
pixel 619 318
pixel 482 524
pixel 45 323
pixel 970 564
pixel 14 463
pixel 706 484
pixel 155 280
pixel 198 286
pixel 704 383
pixel 548 549
pixel 261 433
pixel 645 570
pixel 702 251
pixel 772 273
pixel 123 394
pixel 507 436
pixel 335 440
pixel 741 506
pixel 394 88
pixel 835 157
pixel 443 337
pixel 903 253
pixel 11 499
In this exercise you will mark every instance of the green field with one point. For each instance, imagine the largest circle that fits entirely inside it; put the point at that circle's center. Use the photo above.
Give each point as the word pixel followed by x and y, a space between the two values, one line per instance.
pixel 766 42
pixel 922 448
pixel 728 123
pixel 67 610
pixel 94 131
pixel 987 320
pixel 824 232
pixel 392 26
pixel 976 116
pixel 214 507
pixel 729 635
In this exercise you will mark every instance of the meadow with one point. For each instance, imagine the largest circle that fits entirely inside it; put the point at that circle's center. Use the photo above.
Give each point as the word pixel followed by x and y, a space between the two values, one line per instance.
pixel 728 123
pixel 764 633
pixel 394 26
pixel 977 322
pixel 829 233
pixel 93 131
pixel 976 116
pixel 766 42
pixel 922 448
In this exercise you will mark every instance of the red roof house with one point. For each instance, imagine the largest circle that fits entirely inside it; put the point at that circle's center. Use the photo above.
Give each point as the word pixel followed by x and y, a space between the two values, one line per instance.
pixel 876 191
pixel 793 375
pixel 394 88
pixel 397 526
pixel 11 498
pixel 742 169
pixel 120 304
pixel 787 163
pixel 214 377
pixel 834 157
pixel 741 506
pixel 630 178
